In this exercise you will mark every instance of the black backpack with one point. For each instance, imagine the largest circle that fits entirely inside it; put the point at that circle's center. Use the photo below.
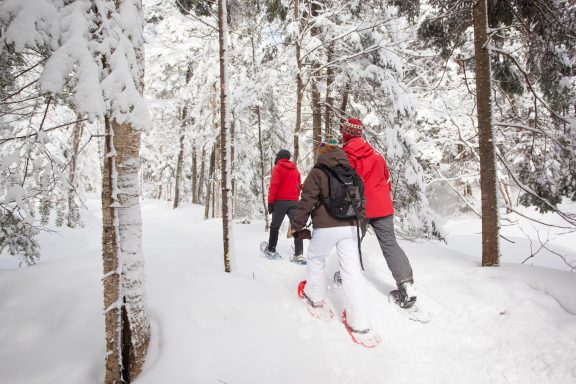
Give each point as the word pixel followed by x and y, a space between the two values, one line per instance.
pixel 345 191
pixel 345 196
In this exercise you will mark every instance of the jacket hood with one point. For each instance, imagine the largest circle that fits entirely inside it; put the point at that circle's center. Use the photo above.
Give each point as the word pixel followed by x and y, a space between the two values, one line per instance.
pixel 358 148
pixel 333 158
pixel 285 163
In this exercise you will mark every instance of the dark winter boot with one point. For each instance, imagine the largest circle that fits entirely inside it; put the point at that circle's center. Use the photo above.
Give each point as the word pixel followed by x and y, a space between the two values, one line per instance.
pixel 407 295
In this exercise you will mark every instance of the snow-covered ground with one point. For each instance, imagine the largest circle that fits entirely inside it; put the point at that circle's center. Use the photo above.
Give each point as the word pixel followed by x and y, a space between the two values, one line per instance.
pixel 511 324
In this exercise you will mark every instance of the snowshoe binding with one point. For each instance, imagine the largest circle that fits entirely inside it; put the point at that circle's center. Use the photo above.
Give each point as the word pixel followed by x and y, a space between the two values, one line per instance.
pixel 267 253
pixel 298 259
pixel 321 311
pixel 366 337
pixel 405 299
pixel 404 296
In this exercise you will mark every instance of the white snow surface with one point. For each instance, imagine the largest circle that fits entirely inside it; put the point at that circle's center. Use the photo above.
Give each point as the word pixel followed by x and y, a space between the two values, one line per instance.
pixel 511 324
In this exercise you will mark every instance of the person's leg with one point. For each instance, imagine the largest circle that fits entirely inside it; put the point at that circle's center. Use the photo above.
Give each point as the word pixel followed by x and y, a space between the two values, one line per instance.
pixel 298 243
pixel 280 209
pixel 358 312
pixel 395 257
pixel 322 242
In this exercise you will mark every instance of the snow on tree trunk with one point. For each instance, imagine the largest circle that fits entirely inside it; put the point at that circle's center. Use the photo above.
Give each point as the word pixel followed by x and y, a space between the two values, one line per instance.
pixel 328 109
pixel 299 87
pixel 315 92
pixel 180 159
pixel 73 214
pixel 127 324
pixel 490 226
pixel 194 175
pixel 225 140
pixel 262 171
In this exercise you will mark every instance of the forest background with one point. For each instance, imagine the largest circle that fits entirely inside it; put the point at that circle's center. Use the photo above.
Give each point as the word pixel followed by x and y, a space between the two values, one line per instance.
pixel 189 100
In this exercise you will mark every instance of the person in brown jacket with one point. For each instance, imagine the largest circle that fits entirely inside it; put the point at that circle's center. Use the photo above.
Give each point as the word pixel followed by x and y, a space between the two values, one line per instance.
pixel 329 232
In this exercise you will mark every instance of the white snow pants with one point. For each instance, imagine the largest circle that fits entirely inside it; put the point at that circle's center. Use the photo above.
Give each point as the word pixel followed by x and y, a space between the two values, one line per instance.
pixel 358 311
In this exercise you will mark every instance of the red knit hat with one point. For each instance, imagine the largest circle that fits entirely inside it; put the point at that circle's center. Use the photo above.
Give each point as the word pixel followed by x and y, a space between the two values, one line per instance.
pixel 352 128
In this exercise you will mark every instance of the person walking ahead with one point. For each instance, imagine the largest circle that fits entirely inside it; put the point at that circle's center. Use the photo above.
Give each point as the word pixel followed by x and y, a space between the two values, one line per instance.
pixel 372 168
pixel 283 196
pixel 330 232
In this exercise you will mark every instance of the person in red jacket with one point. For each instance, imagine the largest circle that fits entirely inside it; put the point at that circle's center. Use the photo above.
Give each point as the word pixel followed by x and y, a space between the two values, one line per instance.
pixel 283 196
pixel 372 168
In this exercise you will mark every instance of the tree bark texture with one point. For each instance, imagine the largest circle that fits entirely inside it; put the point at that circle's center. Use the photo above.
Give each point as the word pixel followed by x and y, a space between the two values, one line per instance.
pixel 126 320
pixel 299 92
pixel 328 109
pixel 262 171
pixel 111 281
pixel 209 183
pixel 73 214
pixel 315 93
pixel 194 173
pixel 201 177
pixel 488 180
pixel 180 159
pixel 225 138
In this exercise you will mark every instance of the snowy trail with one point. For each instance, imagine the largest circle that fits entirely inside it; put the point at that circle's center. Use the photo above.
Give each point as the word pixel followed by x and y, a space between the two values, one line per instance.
pixel 513 324
pixel 261 328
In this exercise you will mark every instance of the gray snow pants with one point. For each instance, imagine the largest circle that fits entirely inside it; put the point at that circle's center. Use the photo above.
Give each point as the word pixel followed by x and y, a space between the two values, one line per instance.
pixel 281 209
pixel 394 255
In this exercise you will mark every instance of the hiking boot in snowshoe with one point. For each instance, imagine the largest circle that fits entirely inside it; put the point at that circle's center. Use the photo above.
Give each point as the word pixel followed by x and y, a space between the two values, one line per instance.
pixel 407 295
pixel 365 337
pixel 320 310
pixel 338 278
pixel 298 259
pixel 272 255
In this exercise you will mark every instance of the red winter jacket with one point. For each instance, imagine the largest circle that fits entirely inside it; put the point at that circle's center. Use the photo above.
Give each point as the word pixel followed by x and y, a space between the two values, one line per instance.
pixel 372 168
pixel 285 182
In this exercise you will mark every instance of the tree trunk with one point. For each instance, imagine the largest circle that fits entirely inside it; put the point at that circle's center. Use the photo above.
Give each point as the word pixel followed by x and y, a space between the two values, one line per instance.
pixel 262 171
pixel 126 322
pixel 209 183
pixel 180 160
pixel 226 138
pixel 73 214
pixel 299 93
pixel 344 103
pixel 232 207
pixel 194 172
pixel 201 178
pixel 315 96
pixel 111 280
pixel 490 226
pixel 329 100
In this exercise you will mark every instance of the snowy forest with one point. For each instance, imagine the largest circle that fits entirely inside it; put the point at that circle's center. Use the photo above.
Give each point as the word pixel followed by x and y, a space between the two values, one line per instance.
pixel 112 108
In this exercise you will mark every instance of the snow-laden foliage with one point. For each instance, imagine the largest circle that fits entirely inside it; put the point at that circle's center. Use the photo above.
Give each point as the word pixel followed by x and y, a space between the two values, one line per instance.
pixel 533 58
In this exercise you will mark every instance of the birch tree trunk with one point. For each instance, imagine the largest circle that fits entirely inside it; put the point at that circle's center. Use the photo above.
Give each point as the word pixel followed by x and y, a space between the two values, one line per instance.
pixel 126 322
pixel 490 226
pixel 225 138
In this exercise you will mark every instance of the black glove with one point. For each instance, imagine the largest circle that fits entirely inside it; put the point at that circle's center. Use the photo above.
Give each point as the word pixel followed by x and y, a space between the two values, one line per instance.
pixel 303 234
pixel 270 208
